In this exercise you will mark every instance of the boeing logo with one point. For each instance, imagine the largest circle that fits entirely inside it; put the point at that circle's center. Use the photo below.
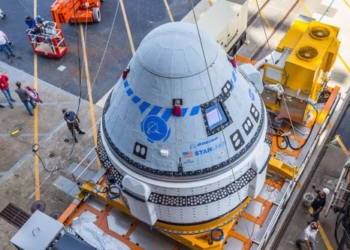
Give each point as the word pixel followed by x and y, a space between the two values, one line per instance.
pixel 195 145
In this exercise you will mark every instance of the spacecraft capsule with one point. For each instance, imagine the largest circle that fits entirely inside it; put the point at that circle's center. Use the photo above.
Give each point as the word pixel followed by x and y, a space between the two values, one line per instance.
pixel 184 131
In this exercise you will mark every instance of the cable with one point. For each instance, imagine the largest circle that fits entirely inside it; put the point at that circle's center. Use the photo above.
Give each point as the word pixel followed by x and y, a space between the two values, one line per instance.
pixel 286 137
pixel 113 192
pixel 216 102
pixel 263 25
pixel 107 43
pixel 326 11
pixel 79 60
pixel 44 166
pixel 277 143
pixel 80 74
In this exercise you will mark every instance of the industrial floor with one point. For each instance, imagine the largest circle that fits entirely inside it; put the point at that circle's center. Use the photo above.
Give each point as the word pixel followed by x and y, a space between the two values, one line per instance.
pixel 23 178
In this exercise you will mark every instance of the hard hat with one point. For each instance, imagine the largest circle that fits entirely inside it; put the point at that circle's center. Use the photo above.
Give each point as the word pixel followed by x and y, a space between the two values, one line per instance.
pixel 64 110
pixel 325 190
pixel 18 83
pixel 39 18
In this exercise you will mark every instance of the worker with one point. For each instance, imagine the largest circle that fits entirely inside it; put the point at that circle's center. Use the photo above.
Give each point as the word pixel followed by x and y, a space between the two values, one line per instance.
pixel 5 88
pixel 35 28
pixel 22 93
pixel 30 22
pixel 5 45
pixel 40 27
pixel 309 236
pixel 318 203
pixel 39 20
pixel 72 122
pixel 2 14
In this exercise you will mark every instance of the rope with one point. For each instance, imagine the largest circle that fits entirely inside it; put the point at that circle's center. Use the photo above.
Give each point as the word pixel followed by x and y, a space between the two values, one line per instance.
pixel 105 50
pixel 264 29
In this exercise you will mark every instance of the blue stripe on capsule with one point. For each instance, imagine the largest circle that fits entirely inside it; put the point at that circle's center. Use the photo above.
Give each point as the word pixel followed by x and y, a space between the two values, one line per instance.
pixel 126 84
pixel 144 106
pixel 195 110
pixel 167 114
pixel 155 110
pixel 136 99
pixel 130 92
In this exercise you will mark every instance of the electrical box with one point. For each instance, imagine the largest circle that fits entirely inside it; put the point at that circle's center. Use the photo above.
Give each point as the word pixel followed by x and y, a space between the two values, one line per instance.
pixel 37 233
pixel 226 21
pixel 294 105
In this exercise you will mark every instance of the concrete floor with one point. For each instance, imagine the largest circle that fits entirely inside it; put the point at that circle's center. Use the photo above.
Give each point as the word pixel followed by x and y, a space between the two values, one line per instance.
pixel 17 175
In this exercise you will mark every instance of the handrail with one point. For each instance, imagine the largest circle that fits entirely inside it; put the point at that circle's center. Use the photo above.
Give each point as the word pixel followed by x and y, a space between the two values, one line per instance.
pixel 335 195
pixel 81 162
pixel 274 219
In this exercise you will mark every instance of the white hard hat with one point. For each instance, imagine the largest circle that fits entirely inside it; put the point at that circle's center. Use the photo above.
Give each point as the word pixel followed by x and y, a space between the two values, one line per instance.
pixel 325 190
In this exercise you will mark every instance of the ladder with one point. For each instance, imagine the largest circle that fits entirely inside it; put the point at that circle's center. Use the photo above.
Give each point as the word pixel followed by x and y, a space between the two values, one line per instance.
pixel 342 189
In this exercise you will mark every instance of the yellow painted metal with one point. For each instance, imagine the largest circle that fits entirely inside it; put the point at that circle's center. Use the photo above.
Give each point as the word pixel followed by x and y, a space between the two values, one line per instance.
pixel 194 236
pixel 310 116
pixel 277 166
pixel 94 189
pixel 197 236
pixel 322 116
pixel 312 49
pixel 293 35
pixel 312 57
pixel 341 144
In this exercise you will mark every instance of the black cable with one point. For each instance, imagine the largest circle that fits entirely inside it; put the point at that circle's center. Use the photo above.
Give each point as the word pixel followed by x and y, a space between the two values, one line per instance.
pixel 308 136
pixel 277 135
pixel 44 166
pixel 79 61
pixel 80 74
pixel 280 147
pixel 287 140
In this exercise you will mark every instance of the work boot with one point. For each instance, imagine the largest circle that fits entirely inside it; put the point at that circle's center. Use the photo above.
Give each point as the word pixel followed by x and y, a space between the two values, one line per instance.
pixel 11 106
pixel 76 140
pixel 81 132
pixel 2 106
pixel 35 105
pixel 12 100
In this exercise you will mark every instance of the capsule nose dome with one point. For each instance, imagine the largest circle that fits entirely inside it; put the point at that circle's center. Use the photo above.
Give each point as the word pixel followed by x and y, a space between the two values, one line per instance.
pixel 176 51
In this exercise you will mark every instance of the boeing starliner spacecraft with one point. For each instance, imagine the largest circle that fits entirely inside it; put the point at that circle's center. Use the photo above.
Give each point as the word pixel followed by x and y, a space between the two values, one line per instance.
pixel 183 132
